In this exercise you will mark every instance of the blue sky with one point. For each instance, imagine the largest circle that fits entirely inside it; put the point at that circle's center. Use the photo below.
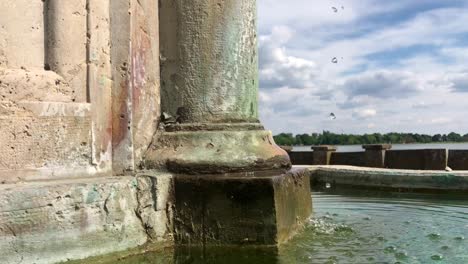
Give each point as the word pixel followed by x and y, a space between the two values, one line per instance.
pixel 402 65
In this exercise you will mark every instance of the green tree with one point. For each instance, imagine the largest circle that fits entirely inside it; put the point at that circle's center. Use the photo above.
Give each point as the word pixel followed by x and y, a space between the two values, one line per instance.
pixel 454 137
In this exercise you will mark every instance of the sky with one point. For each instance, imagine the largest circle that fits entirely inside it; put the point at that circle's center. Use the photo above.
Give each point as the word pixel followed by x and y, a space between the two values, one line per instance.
pixel 400 66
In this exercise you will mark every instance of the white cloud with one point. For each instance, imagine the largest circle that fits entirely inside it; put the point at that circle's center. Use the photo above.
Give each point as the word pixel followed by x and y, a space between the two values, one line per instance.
pixel 364 113
pixel 277 68
pixel 383 84
pixel 424 106
pixel 441 120
pixel 459 82
pixel 300 85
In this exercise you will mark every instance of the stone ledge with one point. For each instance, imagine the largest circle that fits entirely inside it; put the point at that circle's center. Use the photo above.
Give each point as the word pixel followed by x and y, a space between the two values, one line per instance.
pixel 50 222
pixel 377 146
pixel 323 148
pixel 389 178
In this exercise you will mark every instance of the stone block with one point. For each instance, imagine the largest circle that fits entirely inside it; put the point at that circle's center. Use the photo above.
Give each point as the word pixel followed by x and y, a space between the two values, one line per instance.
pixel 322 154
pixel 302 157
pixel 52 139
pixel 55 221
pixel 375 155
pixel 240 209
pixel 458 159
pixel 348 158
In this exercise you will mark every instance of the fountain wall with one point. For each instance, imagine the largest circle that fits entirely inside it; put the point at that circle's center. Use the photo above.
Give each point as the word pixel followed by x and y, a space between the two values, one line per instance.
pixel 92 150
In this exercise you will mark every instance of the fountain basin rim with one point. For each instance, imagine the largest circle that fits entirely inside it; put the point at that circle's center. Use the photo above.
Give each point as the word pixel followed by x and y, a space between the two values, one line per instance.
pixel 388 178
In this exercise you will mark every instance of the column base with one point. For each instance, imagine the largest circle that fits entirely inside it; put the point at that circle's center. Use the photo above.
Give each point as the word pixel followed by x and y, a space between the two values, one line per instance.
pixel 215 151
pixel 258 208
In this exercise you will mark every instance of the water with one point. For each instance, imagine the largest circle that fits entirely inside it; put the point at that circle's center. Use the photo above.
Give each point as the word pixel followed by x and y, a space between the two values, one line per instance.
pixel 355 148
pixel 358 227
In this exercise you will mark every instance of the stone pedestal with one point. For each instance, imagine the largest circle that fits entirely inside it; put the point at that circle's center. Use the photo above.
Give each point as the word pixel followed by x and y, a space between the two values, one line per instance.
pixel 375 155
pixel 240 209
pixel 322 154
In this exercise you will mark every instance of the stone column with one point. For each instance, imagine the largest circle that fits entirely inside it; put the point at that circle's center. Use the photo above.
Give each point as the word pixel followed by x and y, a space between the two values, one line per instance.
pixel 21 34
pixel 209 90
pixel 230 184
pixel 322 154
pixel 65 51
pixel 375 155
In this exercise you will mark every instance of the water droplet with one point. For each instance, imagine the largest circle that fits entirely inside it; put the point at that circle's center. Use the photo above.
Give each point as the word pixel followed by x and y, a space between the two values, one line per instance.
pixel 444 247
pixel 437 257
pixel 334 60
pixel 390 249
pixel 367 218
pixel 434 236
pixel 328 217
pixel 381 238
pixel 335 9
pixel 460 238
pixel 327 185
pixel 333 258
pixel 401 255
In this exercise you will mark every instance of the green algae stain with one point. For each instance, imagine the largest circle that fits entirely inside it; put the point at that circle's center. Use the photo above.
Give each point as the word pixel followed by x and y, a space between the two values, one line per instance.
pixel 93 195
pixel 134 183
pixel 446 179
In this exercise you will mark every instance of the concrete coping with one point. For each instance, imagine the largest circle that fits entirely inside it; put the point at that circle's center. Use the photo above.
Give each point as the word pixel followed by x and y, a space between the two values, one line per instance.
pixel 424 180
pixel 323 148
pixel 377 146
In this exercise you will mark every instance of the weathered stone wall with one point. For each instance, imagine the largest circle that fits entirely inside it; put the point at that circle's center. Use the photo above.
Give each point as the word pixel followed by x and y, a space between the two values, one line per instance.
pixel 43 137
pixel 301 158
pixel 22 34
pixel 458 159
pixel 348 158
pixel 49 222
pixel 135 71
pixel 77 78
pixel 79 103
pixel 421 159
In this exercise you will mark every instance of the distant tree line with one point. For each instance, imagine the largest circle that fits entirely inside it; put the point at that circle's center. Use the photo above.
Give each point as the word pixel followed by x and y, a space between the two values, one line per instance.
pixel 329 138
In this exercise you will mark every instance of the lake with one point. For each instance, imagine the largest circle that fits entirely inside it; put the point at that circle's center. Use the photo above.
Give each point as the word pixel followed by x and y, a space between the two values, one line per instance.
pixel 354 148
